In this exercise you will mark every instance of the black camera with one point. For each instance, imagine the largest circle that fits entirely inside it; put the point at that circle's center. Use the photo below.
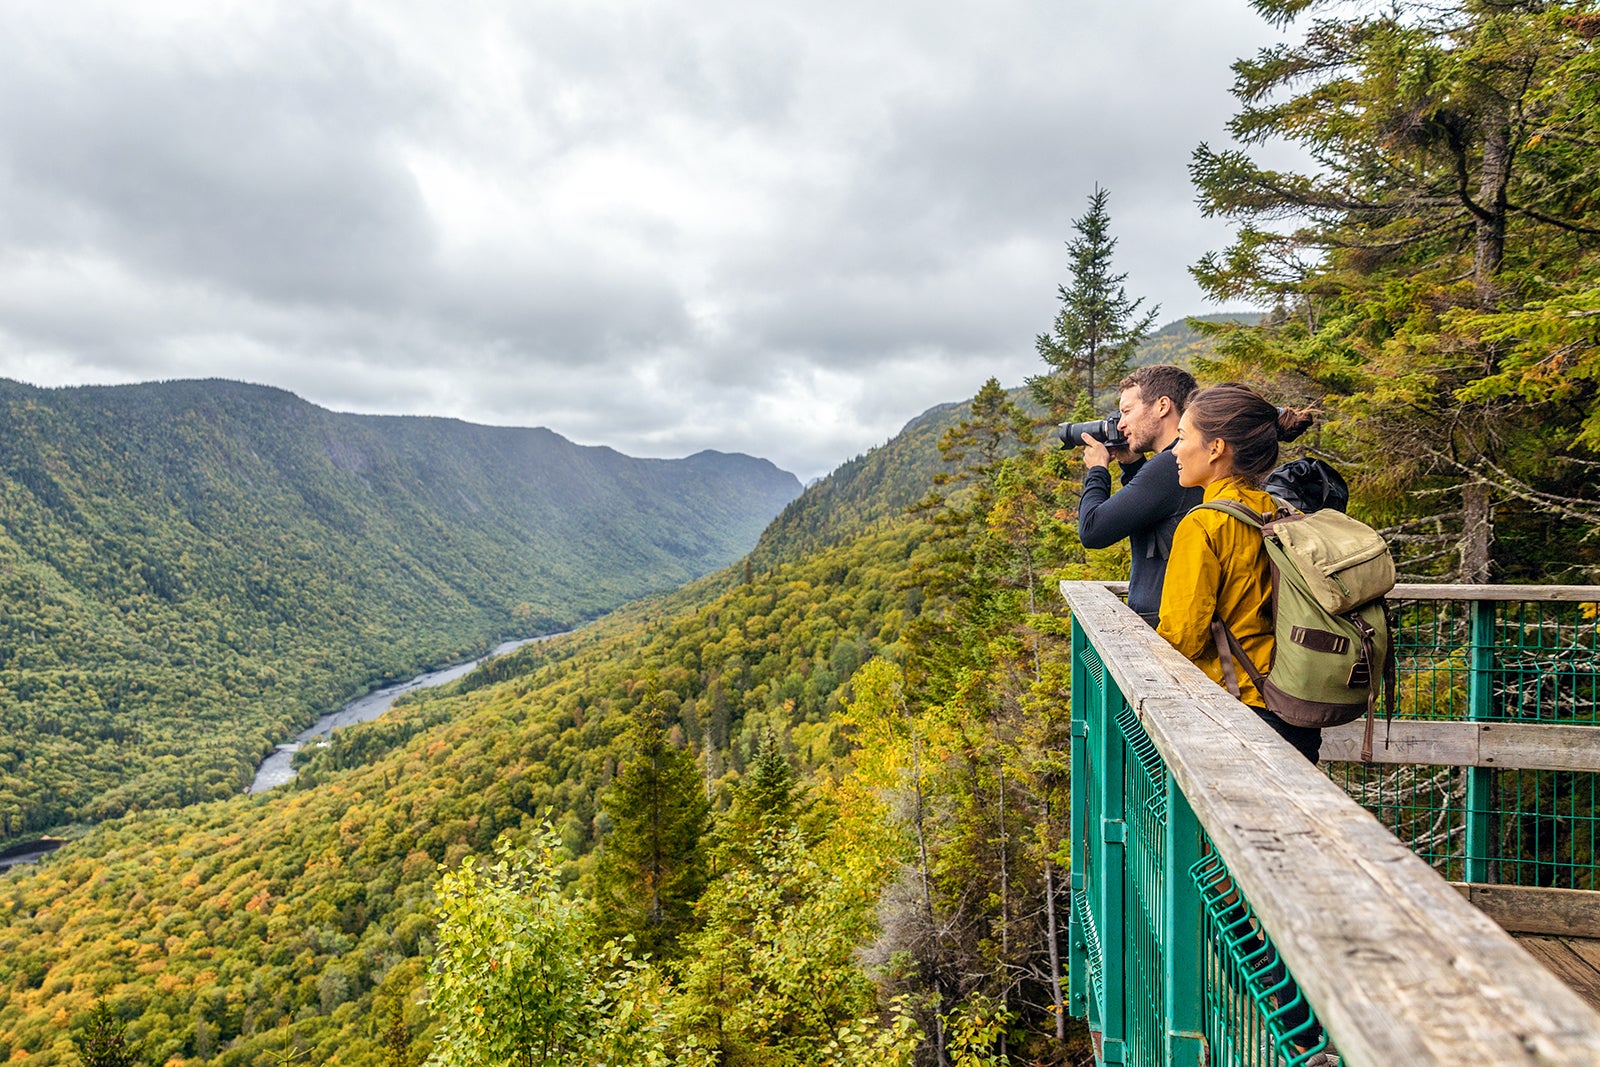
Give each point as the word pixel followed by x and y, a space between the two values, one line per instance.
pixel 1104 430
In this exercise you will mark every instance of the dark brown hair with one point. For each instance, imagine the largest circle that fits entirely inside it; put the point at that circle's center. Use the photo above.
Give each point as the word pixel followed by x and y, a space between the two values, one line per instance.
pixel 1250 424
pixel 1161 380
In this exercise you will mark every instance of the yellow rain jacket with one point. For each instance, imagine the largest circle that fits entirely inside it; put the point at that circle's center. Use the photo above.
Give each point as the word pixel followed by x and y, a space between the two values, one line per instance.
pixel 1218 567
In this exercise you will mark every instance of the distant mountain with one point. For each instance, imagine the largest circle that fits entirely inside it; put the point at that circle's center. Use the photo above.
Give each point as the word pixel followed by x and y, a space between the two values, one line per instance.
pixel 190 569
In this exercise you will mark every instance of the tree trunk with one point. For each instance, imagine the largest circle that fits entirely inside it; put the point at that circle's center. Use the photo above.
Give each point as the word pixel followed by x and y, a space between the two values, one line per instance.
pixel 927 904
pixel 1477 533
pixel 1055 951
pixel 1491 228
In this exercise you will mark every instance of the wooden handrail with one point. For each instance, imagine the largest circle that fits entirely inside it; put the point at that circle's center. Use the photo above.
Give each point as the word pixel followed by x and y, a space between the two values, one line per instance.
pixel 1543 594
pixel 1400 968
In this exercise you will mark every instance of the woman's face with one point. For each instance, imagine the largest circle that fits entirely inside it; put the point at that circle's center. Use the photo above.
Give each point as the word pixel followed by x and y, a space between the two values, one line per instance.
pixel 1199 462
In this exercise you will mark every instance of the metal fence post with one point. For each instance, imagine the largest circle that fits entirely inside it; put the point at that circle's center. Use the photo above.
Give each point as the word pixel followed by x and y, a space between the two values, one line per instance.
pixel 1184 981
pixel 1479 843
pixel 1112 834
pixel 1077 936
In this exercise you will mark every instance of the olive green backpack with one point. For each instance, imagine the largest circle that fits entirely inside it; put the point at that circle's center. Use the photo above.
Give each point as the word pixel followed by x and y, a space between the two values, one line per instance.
pixel 1334 651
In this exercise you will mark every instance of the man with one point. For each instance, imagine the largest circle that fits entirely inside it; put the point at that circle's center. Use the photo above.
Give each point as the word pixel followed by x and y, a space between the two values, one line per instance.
pixel 1147 508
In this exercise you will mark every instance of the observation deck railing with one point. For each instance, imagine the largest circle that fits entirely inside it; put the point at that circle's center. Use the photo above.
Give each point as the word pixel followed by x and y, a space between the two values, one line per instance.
pixel 1233 904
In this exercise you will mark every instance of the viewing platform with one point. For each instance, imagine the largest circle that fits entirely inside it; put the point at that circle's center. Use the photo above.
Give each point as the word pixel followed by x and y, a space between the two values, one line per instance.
pixel 1233 904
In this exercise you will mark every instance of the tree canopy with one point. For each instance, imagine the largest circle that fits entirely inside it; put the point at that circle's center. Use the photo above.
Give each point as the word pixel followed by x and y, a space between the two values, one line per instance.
pixel 1434 270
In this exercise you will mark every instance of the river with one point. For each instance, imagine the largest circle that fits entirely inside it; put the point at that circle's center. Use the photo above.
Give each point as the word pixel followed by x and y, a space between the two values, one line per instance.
pixel 277 769
pixel 29 853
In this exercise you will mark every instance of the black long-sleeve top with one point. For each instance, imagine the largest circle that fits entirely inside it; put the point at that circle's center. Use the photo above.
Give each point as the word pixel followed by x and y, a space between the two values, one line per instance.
pixel 1145 511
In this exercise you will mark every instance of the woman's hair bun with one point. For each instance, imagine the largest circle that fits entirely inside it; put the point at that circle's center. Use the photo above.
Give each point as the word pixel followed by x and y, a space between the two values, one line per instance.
pixel 1292 423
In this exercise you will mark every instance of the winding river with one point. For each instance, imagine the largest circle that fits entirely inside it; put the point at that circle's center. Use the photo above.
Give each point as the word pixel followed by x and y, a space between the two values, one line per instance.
pixel 277 768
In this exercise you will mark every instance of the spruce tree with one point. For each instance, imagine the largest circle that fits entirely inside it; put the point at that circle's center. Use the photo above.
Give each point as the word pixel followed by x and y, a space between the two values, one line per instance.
pixel 1099 326
pixel 651 868
pixel 104 1042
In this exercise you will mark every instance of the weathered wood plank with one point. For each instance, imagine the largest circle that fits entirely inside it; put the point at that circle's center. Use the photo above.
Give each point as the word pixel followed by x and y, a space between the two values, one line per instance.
pixel 1571 594
pixel 1539 746
pixel 1521 746
pixel 1588 948
pixel 1536 910
pixel 1566 964
pixel 1401 969
pixel 1452 744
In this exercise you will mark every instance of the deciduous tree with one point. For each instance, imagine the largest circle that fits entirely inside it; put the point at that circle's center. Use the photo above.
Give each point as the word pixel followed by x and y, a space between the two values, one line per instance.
pixel 515 981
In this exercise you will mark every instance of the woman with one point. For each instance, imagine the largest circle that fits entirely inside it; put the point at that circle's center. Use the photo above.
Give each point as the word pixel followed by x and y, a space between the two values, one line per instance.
pixel 1227 443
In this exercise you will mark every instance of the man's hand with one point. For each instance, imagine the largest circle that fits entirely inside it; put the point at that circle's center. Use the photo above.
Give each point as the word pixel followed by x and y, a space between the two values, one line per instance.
pixel 1126 455
pixel 1095 453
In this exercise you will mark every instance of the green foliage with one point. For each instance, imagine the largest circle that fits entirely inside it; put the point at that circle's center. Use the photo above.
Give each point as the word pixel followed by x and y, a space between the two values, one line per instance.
pixel 974 724
pixel 214 928
pixel 772 968
pixel 514 981
pixel 890 1041
pixel 298 925
pixel 1432 279
pixel 194 570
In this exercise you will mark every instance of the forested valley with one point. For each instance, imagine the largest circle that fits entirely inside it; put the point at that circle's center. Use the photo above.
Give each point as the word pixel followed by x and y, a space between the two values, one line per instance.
pixel 812 808
pixel 192 571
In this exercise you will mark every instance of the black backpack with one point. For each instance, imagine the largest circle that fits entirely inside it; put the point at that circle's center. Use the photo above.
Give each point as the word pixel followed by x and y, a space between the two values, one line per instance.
pixel 1308 485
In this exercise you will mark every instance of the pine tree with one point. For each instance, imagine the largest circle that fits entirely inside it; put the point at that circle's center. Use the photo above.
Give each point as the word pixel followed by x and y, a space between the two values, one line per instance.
pixel 768 800
pixel 651 868
pixel 1098 327
pixel 975 914
pixel 395 1038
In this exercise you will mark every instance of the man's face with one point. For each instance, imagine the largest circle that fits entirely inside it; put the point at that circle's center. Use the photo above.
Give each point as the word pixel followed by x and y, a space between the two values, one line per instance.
pixel 1141 421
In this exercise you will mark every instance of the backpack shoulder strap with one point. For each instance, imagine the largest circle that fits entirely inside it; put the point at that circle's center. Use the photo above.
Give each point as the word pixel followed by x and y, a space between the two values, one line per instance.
pixel 1236 509
pixel 1231 652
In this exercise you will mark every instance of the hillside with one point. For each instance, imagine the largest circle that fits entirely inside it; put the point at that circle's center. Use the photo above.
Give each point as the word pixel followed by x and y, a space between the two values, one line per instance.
pixel 193 569
pixel 877 486
pixel 226 932
pixel 1179 342
pixel 299 925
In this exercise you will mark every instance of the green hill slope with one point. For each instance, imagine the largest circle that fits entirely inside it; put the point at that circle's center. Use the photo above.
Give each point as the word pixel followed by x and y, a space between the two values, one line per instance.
pixel 875 487
pixel 294 923
pixel 1178 342
pixel 236 931
pixel 192 569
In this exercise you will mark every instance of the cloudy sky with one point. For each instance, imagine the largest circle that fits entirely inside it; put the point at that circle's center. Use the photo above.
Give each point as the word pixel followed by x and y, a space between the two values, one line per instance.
pixel 782 229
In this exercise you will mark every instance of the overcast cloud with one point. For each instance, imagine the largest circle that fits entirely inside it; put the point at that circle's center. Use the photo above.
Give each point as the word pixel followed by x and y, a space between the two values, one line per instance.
pixel 782 229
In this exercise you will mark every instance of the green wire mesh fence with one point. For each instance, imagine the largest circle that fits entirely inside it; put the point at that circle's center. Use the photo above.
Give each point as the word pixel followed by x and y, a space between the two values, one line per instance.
pixel 1254 1012
pixel 1482 661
